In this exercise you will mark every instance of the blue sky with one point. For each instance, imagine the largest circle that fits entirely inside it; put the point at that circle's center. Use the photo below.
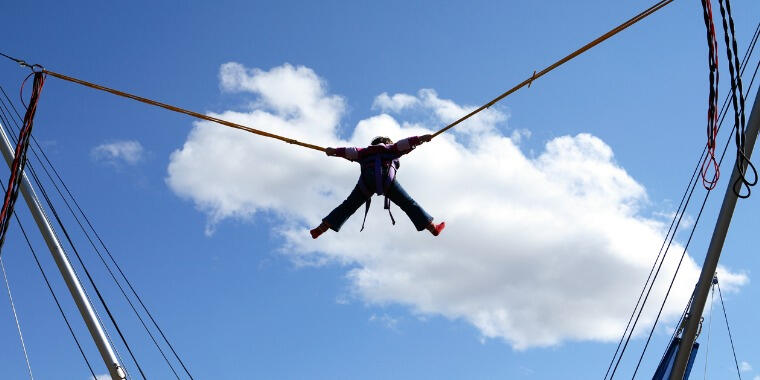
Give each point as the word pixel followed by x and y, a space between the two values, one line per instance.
pixel 229 273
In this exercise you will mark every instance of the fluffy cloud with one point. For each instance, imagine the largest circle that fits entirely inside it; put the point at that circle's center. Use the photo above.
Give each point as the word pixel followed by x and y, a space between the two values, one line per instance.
pixel 129 152
pixel 537 250
pixel 443 110
pixel 395 103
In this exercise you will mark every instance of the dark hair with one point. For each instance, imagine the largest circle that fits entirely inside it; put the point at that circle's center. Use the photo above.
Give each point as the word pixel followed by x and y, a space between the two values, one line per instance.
pixel 381 140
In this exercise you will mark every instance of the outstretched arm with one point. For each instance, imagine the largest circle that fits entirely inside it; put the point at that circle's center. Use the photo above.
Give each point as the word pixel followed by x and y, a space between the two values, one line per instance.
pixel 350 154
pixel 402 147
pixel 408 144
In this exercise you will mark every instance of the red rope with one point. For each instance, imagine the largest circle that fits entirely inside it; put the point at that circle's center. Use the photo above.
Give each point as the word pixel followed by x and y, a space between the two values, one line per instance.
pixel 19 159
pixel 712 110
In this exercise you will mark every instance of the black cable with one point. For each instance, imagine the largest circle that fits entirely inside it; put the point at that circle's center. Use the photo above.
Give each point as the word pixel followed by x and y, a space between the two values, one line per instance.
pixel 113 276
pixel 724 109
pixel 659 267
pixel 678 267
pixel 742 158
pixel 50 288
pixel 89 223
pixel 55 298
pixel 106 265
pixel 736 362
pixel 672 281
pixel 656 260
pixel 60 223
pixel 20 62
pixel 86 271
pixel 118 267
pixel 134 309
pixel 31 168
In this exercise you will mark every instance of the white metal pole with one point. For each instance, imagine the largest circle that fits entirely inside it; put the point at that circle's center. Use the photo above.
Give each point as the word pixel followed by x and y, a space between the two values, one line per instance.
pixel 714 250
pixel 67 271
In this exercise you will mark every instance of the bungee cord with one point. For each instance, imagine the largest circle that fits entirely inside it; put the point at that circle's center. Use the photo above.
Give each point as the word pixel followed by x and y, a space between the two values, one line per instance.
pixel 713 116
pixel 527 82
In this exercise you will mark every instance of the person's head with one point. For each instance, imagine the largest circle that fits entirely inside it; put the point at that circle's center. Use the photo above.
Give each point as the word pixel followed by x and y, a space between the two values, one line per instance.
pixel 381 140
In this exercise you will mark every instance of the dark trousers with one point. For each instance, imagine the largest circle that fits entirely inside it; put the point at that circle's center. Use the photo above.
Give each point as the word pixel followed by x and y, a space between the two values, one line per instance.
pixel 395 193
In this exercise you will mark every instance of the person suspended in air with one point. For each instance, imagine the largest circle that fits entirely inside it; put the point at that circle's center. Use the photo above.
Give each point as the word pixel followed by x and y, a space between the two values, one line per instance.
pixel 379 163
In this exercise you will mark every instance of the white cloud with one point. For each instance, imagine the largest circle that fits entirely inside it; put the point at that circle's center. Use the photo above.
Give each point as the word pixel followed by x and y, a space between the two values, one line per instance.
pixel 444 110
pixel 385 320
pixel 729 281
pixel 129 152
pixel 757 377
pixel 687 221
pixel 519 134
pixel 745 367
pixel 395 103
pixel 537 251
pixel 104 376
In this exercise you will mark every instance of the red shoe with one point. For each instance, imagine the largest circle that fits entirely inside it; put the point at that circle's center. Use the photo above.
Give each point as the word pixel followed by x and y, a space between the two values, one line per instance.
pixel 319 230
pixel 438 228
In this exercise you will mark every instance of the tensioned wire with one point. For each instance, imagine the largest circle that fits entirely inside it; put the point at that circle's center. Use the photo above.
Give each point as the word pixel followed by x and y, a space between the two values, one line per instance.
pixel 52 208
pixel 102 300
pixel 527 82
pixel 677 217
pixel 102 243
pixel 739 129
pixel 730 337
pixel 47 282
pixel 99 254
pixel 15 317
pixel 683 254
pixel 55 298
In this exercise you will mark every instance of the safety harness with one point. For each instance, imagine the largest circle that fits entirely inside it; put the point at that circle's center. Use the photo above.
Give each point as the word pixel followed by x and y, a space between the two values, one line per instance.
pixel 383 167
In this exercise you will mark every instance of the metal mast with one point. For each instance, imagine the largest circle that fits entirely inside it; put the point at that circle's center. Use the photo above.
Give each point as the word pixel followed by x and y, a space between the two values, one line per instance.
pixel 713 252
pixel 67 271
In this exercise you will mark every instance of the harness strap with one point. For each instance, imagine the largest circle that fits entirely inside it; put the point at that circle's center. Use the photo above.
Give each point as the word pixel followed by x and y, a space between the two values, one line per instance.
pixel 366 210
pixel 387 207
pixel 382 182
pixel 367 193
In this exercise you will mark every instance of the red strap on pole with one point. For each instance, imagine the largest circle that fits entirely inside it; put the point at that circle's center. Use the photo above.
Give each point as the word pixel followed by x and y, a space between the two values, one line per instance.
pixel 19 159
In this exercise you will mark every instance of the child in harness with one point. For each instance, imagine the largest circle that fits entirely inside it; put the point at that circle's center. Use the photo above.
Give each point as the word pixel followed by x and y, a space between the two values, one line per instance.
pixel 379 163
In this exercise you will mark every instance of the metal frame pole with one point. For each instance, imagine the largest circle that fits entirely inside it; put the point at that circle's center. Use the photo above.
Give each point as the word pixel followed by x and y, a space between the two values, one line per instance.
pixel 713 252
pixel 67 271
